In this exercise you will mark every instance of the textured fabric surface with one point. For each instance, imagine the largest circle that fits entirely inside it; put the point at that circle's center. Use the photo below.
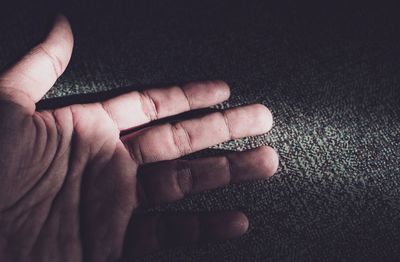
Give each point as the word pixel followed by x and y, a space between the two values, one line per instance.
pixel 329 73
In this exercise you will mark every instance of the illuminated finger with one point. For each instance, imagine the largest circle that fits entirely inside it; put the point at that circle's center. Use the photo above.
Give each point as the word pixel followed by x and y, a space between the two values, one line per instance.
pixel 136 108
pixel 173 140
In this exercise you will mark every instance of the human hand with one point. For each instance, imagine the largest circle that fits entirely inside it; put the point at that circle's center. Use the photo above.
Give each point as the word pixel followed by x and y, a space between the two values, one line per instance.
pixel 70 182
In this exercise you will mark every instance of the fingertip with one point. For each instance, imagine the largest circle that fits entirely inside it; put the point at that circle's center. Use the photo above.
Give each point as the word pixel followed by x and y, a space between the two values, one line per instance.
pixel 268 160
pixel 222 90
pixel 249 120
pixel 224 225
pixel 61 24
pixel 59 43
pixel 264 116
pixel 61 19
pixel 239 224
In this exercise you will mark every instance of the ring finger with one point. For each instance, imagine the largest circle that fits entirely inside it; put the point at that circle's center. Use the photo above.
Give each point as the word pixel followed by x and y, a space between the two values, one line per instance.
pixel 170 181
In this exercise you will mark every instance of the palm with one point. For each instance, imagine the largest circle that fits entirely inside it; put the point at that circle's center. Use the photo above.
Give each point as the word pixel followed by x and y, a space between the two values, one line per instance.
pixel 71 182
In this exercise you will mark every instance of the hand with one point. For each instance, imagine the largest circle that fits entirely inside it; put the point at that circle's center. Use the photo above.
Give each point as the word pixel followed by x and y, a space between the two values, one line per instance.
pixel 70 183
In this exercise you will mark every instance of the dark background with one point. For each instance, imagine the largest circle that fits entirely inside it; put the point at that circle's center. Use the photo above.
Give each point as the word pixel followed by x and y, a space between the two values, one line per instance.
pixel 330 73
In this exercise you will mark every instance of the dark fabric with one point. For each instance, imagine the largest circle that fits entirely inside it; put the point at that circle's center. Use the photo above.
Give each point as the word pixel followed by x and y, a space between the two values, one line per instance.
pixel 330 73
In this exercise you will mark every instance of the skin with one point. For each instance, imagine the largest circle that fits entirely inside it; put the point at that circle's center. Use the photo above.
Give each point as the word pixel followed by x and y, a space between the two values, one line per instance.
pixel 70 183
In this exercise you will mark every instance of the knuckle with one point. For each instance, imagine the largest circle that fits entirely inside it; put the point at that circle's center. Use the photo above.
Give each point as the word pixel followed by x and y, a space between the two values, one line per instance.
pixel 184 177
pixel 54 60
pixel 149 105
pixel 181 139
pixel 227 124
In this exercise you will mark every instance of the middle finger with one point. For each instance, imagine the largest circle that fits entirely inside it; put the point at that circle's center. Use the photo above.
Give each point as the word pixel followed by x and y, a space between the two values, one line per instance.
pixel 174 140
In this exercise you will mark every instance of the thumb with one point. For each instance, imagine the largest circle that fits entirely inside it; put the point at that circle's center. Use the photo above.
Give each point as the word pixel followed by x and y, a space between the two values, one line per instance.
pixel 30 78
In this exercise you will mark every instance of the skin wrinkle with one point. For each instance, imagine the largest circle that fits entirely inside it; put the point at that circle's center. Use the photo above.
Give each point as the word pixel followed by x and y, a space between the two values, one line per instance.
pixel 55 61
pixel 183 147
pixel 75 115
pixel 18 201
pixel 175 139
pixel 147 101
pixel 45 130
pixel 188 139
pixel 8 92
pixel 21 216
pixel 71 145
pixel 21 225
pixel 184 177
pixel 109 112
pixel 109 156
pixel 136 157
pixel 228 163
pixel 188 98
pixel 106 142
pixel 49 137
pixel 76 119
pixel 228 127
pixel 48 216
pixel 69 150
pixel 60 135
pixel 11 85
pixel 57 195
